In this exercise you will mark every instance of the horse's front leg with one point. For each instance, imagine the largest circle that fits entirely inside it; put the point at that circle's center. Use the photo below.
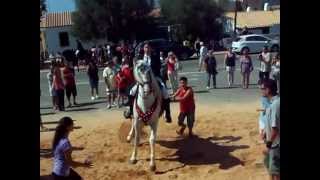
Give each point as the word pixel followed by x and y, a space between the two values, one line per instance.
pixel 153 135
pixel 133 159
pixel 129 137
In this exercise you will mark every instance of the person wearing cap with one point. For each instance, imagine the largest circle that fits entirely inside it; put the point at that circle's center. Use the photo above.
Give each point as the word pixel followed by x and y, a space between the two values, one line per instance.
pixel 109 75
pixel 203 54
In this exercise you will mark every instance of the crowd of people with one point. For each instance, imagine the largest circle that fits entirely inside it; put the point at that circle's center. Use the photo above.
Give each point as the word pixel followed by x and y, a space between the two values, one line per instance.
pixel 269 66
pixel 120 85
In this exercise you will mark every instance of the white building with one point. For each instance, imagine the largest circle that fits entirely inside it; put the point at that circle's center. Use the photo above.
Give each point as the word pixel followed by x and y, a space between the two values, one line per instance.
pixel 56 33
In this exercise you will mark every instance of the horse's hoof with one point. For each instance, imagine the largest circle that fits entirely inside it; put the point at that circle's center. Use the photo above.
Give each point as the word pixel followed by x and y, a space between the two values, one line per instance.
pixel 133 161
pixel 153 168
pixel 128 140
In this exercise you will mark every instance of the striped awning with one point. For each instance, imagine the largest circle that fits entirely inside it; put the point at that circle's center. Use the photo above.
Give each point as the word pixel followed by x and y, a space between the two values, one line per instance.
pixel 254 19
pixel 56 19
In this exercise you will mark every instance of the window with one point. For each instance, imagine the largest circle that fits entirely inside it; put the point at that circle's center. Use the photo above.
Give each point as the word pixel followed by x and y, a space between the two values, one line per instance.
pixel 251 38
pixel 64 39
pixel 259 38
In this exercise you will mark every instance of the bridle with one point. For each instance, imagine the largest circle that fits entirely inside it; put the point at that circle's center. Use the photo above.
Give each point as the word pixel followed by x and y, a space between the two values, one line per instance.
pixel 142 84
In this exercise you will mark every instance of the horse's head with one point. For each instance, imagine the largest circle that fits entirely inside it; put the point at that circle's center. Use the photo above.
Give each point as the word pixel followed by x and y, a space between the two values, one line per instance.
pixel 144 77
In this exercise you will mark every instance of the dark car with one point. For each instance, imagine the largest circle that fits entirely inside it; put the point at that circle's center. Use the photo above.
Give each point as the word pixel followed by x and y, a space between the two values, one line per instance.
pixel 166 46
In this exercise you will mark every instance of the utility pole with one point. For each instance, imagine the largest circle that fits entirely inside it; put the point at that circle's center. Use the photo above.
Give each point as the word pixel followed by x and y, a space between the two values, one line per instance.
pixel 235 18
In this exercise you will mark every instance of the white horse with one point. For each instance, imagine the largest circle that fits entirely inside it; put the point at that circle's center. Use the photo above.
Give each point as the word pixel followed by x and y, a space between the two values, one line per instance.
pixel 146 109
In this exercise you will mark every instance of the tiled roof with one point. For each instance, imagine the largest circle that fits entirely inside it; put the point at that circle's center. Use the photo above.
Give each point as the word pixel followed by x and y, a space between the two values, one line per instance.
pixel 255 19
pixel 56 19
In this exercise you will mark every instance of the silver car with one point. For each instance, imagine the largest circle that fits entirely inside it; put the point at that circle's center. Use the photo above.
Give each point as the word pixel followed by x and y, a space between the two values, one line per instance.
pixel 254 43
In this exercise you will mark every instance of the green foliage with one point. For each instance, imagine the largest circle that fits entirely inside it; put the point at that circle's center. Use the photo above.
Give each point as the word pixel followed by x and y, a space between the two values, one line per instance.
pixel 112 19
pixel 197 17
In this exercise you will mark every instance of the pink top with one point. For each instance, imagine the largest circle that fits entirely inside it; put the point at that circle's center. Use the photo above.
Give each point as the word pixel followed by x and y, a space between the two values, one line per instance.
pixel 171 64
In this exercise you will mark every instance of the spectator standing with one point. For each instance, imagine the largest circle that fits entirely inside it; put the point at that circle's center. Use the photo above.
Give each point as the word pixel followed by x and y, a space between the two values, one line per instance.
pixel 172 71
pixel 211 68
pixel 265 64
pixel 52 92
pixel 92 72
pixel 121 87
pixel 185 97
pixel 164 69
pixel 246 68
pixel 116 63
pixel 58 86
pixel 272 129
pixel 62 151
pixel 70 83
pixel 230 64
pixel 203 54
pixel 276 70
pixel 109 75
pixel 197 46
pixel 127 73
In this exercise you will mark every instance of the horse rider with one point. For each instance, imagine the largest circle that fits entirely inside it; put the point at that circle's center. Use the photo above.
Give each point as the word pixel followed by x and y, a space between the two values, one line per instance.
pixel 152 59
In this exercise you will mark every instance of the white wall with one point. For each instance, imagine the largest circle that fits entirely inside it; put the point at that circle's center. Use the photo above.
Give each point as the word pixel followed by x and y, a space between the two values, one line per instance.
pixel 53 41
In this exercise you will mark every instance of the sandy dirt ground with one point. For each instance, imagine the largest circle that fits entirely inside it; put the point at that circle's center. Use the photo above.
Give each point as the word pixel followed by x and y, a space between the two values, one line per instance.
pixel 226 146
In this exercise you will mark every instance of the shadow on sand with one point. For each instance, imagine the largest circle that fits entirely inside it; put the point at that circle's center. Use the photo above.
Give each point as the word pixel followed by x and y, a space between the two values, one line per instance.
pixel 82 109
pixel 200 151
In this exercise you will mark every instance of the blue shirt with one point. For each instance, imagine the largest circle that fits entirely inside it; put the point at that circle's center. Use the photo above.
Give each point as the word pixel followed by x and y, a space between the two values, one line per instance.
pixel 273 120
pixel 265 103
pixel 60 166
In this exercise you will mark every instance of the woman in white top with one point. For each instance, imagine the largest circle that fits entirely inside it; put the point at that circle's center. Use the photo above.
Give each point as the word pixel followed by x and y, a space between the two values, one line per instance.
pixel 230 63
pixel 265 64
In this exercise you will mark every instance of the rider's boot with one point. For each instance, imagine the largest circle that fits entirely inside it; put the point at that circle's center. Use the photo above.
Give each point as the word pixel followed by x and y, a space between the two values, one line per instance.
pixel 166 107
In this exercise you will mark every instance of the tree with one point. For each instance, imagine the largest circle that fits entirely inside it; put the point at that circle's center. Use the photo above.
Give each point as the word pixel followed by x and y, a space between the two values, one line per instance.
pixel 112 19
pixel 198 18
pixel 43 8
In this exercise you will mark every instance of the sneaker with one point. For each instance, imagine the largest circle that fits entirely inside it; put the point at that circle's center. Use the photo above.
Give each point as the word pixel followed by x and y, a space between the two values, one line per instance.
pixel 97 97
pixel 108 106
pixel 208 87
pixel 69 106
pixel 92 98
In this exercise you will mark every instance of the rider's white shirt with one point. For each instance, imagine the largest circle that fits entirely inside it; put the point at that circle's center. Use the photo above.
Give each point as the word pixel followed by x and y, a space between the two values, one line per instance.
pixel 147 59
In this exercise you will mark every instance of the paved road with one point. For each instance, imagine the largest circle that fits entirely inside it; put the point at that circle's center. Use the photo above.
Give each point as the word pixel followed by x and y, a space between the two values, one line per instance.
pixel 196 79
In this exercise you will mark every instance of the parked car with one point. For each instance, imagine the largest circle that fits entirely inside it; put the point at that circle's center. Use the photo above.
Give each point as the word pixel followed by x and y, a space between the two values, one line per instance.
pixel 164 45
pixel 254 43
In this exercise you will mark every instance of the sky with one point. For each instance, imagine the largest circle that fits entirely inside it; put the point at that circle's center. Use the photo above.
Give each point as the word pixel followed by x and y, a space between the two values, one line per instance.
pixel 60 5
pixel 68 5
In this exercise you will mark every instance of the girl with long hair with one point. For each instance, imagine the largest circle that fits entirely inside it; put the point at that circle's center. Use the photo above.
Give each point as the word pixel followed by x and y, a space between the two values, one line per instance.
pixel 62 150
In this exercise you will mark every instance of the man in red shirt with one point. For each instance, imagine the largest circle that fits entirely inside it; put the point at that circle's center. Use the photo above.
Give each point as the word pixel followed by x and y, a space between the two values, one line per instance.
pixel 187 106
pixel 70 83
